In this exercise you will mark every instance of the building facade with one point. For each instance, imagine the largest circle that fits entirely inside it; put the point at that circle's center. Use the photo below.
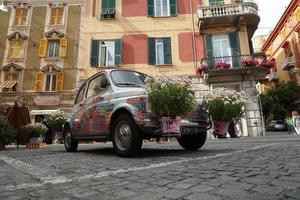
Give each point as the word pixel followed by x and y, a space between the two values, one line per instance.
pixel 38 54
pixel 283 44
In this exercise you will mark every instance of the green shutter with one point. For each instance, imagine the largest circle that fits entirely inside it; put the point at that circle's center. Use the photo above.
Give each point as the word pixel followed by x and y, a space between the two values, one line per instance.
pixel 150 8
pixel 209 51
pixel 118 52
pixel 105 4
pixel 151 51
pixel 216 2
pixel 173 7
pixel 234 49
pixel 167 51
pixel 112 4
pixel 95 53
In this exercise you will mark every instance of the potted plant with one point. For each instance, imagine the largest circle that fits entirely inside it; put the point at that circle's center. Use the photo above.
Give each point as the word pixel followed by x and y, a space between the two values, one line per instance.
pixel 268 63
pixel 36 132
pixel 7 134
pixel 55 122
pixel 202 69
pixel 170 98
pixel 222 65
pixel 224 105
pixel 249 62
pixel 294 71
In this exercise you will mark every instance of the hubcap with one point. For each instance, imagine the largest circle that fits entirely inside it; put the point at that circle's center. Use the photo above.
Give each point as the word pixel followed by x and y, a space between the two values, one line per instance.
pixel 122 135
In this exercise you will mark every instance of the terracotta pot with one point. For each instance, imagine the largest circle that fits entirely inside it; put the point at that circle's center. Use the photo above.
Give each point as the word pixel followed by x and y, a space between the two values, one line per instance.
pixel 220 127
pixel 2 147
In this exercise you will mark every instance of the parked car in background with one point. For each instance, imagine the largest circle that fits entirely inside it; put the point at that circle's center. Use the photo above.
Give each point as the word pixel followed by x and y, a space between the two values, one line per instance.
pixel 112 106
pixel 276 125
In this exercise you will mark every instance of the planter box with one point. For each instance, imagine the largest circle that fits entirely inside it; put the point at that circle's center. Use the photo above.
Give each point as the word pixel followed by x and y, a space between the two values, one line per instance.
pixel 36 146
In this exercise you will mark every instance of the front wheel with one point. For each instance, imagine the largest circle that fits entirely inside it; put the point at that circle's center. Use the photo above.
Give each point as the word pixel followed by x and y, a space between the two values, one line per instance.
pixel 192 142
pixel 71 145
pixel 125 136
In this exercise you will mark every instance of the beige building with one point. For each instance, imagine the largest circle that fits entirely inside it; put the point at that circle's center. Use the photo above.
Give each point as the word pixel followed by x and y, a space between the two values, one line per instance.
pixel 38 54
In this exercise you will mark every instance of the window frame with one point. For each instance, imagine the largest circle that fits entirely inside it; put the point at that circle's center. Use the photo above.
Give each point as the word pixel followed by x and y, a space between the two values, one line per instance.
pixel 89 84
pixel 16 48
pixel 81 89
pixel 159 42
pixel 51 82
pixel 18 19
pixel 161 4
pixel 220 41
pixel 57 16
pixel 110 45
pixel 56 49
pixel 11 76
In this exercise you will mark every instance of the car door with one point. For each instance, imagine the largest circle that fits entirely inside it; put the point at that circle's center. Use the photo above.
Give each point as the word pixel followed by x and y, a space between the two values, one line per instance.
pixel 96 108
pixel 77 113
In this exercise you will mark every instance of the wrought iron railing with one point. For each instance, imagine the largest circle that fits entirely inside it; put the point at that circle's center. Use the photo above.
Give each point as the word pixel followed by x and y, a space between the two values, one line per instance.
pixel 226 62
pixel 227 10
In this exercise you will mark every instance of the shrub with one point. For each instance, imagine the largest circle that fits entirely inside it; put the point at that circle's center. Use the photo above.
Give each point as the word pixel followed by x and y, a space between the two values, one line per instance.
pixel 7 133
pixel 56 120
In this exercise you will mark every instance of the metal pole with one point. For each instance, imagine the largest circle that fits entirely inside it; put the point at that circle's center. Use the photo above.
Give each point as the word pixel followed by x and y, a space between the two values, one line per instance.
pixel 194 42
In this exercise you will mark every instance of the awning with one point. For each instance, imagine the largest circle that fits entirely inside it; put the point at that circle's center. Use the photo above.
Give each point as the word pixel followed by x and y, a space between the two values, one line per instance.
pixel 8 84
pixel 42 112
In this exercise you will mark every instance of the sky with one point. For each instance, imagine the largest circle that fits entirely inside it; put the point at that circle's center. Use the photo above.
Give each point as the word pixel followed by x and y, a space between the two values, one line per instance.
pixel 270 12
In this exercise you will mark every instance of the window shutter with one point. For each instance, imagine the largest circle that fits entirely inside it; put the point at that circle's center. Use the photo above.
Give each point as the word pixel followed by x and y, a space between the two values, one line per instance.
pixel 118 52
pixel 43 47
pixel 216 2
pixel 151 51
pixel 111 3
pixel 167 51
pixel 39 82
pixel 234 49
pixel 63 47
pixel 150 8
pixel 60 82
pixel 105 4
pixel 209 51
pixel 173 7
pixel 95 53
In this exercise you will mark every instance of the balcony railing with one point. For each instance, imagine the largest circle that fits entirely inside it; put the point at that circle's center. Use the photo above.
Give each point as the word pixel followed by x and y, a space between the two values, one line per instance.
pixel 227 10
pixel 287 63
pixel 231 62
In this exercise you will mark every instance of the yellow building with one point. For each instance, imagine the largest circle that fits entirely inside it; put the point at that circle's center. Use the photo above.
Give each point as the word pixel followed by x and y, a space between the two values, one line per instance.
pixel 38 54
pixel 283 45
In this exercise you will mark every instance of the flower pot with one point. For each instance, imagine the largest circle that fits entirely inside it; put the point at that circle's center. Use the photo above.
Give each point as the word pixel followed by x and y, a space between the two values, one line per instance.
pixel 170 125
pixel 36 140
pixel 2 147
pixel 220 127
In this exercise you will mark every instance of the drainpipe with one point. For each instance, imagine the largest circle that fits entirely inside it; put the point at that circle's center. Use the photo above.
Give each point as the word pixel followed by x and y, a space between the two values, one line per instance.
pixel 193 36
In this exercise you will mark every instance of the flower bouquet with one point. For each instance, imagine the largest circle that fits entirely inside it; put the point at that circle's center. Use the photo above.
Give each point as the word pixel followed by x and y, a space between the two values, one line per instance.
pixel 56 120
pixel 222 65
pixel 250 62
pixel 36 129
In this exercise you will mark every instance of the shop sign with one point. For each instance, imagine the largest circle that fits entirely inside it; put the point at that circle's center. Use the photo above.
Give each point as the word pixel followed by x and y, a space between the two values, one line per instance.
pixel 46 100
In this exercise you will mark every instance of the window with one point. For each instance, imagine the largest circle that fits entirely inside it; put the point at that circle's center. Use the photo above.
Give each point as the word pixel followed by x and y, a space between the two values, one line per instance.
pixel 56 17
pixel 160 8
pixel 159 51
pixel 15 49
pixel 20 16
pixel 108 9
pixel 53 48
pixel 80 95
pixel 50 82
pixel 221 46
pixel 106 53
pixel 97 85
pixel 10 82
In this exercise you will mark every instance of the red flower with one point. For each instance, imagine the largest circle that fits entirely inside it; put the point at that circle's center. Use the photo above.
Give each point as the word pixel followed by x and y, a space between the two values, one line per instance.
pixel 222 65
pixel 198 71
pixel 249 62
pixel 268 64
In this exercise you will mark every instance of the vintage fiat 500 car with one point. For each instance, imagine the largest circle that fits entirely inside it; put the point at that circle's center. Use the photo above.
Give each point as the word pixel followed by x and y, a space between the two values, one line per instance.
pixel 112 106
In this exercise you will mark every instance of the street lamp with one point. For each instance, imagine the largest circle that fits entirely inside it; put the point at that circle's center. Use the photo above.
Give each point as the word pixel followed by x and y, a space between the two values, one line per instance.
pixel 3 6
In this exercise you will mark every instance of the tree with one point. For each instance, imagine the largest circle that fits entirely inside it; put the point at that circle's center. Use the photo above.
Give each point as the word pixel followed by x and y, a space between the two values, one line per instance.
pixel 280 99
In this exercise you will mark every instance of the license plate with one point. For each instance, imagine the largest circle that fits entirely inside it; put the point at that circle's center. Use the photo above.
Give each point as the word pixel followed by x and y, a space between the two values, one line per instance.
pixel 189 130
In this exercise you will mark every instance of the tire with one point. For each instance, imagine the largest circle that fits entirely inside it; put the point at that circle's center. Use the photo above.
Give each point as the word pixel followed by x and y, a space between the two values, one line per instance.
pixel 125 136
pixel 71 145
pixel 192 142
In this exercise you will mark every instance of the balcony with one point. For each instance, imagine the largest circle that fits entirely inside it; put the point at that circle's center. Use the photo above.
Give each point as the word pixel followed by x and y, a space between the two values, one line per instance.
pixel 229 15
pixel 234 68
pixel 288 63
pixel 273 76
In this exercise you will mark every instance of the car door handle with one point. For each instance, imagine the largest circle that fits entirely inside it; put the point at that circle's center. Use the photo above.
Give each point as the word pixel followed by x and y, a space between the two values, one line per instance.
pixel 81 104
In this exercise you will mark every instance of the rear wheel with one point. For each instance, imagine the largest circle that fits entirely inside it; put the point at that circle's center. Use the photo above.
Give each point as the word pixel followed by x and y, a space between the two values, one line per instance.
pixel 192 142
pixel 125 136
pixel 71 145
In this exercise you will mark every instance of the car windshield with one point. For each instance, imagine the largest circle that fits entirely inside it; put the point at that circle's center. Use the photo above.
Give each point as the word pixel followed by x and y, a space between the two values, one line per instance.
pixel 128 78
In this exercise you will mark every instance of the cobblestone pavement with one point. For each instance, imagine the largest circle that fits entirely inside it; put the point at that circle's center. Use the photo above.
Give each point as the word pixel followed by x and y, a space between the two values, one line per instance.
pixel 241 168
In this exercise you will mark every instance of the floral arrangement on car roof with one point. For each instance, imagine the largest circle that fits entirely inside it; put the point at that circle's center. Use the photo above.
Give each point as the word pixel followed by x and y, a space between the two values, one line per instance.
pixel 224 104
pixel 56 120
pixel 170 96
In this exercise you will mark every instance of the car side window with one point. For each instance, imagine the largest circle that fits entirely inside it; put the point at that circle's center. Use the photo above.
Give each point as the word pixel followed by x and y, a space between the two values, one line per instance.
pixel 97 85
pixel 80 94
